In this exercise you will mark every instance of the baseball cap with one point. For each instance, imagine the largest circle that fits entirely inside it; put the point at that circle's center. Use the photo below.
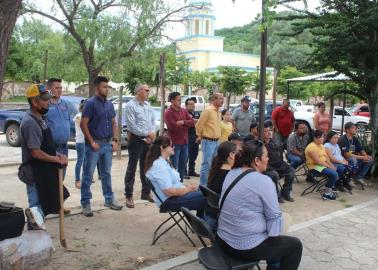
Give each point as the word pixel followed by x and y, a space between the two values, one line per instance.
pixel 38 90
pixel 245 98
pixel 235 136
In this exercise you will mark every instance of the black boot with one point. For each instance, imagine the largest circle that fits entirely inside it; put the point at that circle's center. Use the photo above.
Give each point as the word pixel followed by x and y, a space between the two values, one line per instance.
pixel 285 193
pixel 339 186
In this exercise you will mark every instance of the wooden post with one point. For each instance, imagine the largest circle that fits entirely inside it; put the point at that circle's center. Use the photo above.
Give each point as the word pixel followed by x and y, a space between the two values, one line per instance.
pixel 263 60
pixel 162 91
pixel 119 150
pixel 275 78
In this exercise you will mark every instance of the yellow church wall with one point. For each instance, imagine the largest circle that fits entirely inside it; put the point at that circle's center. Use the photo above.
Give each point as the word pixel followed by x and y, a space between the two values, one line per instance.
pixel 199 43
pixel 232 59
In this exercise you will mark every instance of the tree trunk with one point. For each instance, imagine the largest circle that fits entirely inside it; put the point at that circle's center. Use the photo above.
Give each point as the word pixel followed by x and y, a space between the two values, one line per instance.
pixel 8 17
pixel 228 101
pixel 373 107
pixel 92 75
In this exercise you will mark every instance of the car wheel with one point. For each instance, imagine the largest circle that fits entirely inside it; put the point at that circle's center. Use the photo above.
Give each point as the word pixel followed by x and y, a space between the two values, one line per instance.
pixel 13 135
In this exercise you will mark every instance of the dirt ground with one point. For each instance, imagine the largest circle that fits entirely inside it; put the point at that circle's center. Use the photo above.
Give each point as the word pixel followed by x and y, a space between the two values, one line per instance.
pixel 122 239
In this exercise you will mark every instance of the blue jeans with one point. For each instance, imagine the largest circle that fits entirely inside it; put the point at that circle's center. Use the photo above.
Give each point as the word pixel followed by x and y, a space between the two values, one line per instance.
pixel 191 200
pixel 33 198
pixel 104 156
pixel 80 150
pixel 180 158
pixel 209 150
pixel 294 160
pixel 363 168
pixel 332 175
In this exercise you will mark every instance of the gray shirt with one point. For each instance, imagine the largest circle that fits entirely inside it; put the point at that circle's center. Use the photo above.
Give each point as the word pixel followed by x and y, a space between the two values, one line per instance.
pixel 139 117
pixel 250 212
pixel 297 142
pixel 243 120
pixel 31 135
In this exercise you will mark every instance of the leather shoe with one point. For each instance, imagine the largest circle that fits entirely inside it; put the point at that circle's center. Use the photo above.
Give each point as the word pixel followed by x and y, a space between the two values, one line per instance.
pixel 148 197
pixel 67 211
pixel 130 202
pixel 194 174
pixel 186 177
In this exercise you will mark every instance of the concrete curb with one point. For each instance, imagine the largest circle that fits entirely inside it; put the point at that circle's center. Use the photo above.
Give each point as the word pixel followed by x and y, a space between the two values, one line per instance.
pixel 193 256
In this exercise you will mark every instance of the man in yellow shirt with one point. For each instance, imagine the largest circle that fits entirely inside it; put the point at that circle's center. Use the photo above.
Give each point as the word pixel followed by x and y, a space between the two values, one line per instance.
pixel 208 130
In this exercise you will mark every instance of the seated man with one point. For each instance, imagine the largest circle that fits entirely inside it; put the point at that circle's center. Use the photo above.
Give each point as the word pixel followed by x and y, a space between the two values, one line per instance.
pixel 237 139
pixel 296 145
pixel 353 151
pixel 253 132
pixel 276 165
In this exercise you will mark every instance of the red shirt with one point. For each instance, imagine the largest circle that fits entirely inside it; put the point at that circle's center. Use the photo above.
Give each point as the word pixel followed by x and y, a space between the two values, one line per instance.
pixel 284 119
pixel 178 134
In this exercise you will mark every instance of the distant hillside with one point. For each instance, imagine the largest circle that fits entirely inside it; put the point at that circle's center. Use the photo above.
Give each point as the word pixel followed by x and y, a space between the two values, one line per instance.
pixel 282 50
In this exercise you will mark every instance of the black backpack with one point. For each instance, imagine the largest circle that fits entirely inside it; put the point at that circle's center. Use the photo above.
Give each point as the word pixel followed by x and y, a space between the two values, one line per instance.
pixel 12 221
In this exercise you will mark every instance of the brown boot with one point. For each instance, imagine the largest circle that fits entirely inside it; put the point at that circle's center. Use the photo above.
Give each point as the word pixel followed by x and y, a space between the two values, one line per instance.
pixel 147 197
pixel 130 202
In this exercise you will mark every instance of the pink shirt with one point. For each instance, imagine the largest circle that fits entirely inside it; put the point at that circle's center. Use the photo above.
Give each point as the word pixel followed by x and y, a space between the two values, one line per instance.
pixel 323 121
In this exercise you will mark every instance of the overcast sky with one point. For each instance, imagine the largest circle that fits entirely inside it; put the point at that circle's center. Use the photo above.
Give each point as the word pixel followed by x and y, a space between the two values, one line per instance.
pixel 228 14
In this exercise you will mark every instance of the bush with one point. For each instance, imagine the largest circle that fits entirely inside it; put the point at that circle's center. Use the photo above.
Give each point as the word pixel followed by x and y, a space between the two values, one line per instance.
pixel 154 101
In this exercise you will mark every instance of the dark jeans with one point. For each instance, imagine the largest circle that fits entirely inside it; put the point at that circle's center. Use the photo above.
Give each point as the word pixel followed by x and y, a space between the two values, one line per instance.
pixel 180 158
pixel 288 172
pixel 193 149
pixel 192 200
pixel 137 149
pixel 285 249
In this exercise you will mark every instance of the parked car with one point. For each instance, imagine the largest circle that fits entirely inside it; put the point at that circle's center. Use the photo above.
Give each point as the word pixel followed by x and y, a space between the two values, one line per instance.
pixel 307 118
pixel 361 110
pixel 300 105
pixel 10 120
pixel 255 107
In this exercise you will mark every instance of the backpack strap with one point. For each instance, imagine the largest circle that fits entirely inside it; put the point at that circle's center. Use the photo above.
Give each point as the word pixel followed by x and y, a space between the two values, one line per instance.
pixel 230 187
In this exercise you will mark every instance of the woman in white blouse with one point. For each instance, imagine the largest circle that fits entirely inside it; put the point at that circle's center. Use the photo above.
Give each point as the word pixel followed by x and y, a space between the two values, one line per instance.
pixel 166 180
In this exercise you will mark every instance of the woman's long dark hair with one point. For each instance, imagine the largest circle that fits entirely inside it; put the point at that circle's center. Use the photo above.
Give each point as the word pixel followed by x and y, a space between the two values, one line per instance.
pixel 224 150
pixel 249 151
pixel 155 152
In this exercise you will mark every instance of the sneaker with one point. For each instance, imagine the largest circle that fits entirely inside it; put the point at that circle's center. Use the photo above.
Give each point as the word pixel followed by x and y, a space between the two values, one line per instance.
pixel 329 196
pixel 34 219
pixel 87 211
pixel 113 205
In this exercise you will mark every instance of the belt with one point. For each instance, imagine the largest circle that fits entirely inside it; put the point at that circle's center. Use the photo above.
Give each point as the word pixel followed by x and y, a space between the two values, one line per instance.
pixel 132 135
pixel 210 139
pixel 107 140
pixel 61 145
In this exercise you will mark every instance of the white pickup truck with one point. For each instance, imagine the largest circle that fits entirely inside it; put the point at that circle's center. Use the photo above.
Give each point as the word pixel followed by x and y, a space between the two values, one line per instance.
pixel 300 106
pixel 307 118
pixel 200 104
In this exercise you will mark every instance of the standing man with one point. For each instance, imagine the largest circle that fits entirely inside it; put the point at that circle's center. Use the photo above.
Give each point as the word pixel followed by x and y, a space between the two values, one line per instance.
pixel 208 130
pixel 283 123
pixel 193 145
pixel 296 145
pixel 101 140
pixel 39 169
pixel 243 117
pixel 59 117
pixel 140 121
pixel 353 151
pixel 178 121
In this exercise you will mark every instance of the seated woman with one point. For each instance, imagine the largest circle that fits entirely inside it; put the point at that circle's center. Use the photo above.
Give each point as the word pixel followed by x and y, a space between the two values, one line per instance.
pixel 318 162
pixel 166 180
pixel 343 168
pixel 250 221
pixel 220 166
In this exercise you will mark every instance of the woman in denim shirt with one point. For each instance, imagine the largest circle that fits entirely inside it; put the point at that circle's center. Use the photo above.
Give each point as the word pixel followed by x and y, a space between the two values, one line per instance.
pixel 250 222
pixel 166 180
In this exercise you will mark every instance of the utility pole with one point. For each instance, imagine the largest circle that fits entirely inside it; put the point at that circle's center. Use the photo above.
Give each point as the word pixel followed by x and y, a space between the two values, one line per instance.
pixel 263 60
pixel 45 66
pixel 162 91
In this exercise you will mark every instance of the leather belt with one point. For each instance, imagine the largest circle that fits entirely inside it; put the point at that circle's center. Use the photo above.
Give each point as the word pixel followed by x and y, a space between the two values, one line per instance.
pixel 210 139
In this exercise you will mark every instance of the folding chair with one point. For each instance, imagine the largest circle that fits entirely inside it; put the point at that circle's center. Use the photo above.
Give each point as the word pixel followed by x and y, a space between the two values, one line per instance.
pixel 174 216
pixel 211 196
pixel 298 172
pixel 212 257
pixel 319 181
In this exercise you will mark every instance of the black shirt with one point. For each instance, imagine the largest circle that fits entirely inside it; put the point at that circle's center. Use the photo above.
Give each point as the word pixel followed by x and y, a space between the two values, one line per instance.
pixel 215 184
pixel 192 130
pixel 275 159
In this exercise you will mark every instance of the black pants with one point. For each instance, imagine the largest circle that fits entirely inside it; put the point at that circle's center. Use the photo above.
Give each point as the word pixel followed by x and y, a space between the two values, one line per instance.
pixel 193 154
pixel 285 249
pixel 137 149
